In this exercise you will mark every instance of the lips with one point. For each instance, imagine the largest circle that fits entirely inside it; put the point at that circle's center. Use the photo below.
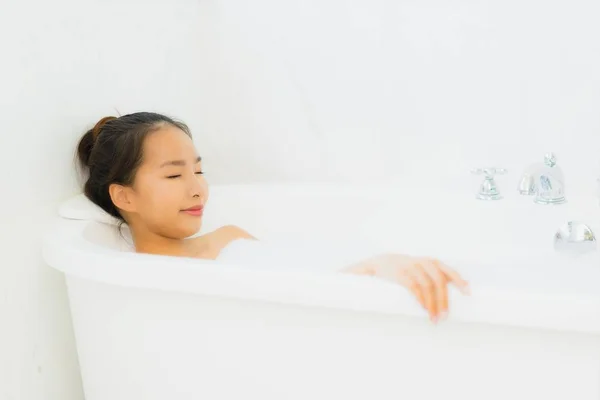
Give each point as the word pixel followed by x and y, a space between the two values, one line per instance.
pixel 195 210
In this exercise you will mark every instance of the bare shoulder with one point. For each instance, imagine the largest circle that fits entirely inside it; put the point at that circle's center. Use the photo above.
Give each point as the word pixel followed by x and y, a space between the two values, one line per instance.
pixel 232 232
pixel 212 243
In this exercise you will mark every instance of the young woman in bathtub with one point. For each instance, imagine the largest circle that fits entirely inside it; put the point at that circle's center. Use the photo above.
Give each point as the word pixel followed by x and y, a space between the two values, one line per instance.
pixel 144 169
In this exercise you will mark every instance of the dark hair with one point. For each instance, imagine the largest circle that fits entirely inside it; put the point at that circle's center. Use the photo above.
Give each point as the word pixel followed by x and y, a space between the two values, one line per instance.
pixel 112 151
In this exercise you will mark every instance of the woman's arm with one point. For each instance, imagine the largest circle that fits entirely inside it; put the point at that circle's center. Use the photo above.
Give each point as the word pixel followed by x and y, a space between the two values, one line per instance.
pixel 426 278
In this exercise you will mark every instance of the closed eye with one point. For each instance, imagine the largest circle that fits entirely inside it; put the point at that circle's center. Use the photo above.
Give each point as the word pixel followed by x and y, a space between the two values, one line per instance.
pixel 177 176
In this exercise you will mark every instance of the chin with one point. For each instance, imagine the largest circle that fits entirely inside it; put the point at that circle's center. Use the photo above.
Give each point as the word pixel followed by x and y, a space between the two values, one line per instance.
pixel 183 228
pixel 191 230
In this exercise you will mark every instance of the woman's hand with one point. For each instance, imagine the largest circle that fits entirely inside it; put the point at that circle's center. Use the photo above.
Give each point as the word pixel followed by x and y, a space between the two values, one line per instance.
pixel 426 278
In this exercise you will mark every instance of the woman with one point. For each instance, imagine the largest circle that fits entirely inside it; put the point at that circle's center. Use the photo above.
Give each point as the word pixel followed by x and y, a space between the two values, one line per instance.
pixel 143 169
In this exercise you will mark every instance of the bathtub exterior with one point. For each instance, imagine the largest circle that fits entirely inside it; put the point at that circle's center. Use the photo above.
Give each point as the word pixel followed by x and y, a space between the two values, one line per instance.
pixel 155 345
pixel 150 327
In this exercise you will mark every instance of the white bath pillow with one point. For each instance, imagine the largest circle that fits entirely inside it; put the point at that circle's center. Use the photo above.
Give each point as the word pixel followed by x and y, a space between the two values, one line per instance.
pixel 82 208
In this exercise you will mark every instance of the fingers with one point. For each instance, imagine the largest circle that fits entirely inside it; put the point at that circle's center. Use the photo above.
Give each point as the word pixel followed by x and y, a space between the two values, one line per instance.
pixel 431 279
pixel 426 278
pixel 415 287
pixel 439 288
pixel 453 276
pixel 426 288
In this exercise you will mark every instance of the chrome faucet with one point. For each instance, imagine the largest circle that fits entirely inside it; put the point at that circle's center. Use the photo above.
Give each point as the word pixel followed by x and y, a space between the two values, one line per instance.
pixel 488 190
pixel 545 181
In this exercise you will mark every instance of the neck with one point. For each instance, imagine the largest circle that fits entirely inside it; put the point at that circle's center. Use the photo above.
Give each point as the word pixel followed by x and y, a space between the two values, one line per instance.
pixel 150 243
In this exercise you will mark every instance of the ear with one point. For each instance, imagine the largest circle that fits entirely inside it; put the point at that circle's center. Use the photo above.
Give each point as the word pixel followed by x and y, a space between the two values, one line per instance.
pixel 122 197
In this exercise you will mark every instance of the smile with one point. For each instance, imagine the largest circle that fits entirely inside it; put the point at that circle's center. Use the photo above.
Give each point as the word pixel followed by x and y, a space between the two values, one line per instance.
pixel 195 211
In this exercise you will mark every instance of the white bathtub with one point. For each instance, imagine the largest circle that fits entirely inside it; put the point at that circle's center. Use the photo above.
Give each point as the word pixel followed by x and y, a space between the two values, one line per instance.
pixel 150 327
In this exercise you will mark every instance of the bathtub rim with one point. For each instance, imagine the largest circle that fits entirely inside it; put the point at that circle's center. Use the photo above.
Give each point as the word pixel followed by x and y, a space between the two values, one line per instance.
pixel 65 250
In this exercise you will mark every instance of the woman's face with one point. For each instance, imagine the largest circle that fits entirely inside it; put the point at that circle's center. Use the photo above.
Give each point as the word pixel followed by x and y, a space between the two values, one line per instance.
pixel 169 190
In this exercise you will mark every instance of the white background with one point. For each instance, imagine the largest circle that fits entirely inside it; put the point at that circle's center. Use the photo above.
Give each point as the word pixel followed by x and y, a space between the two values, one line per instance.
pixel 276 90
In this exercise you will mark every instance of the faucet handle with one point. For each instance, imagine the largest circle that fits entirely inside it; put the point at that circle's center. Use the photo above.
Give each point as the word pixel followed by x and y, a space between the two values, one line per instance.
pixel 489 172
pixel 488 190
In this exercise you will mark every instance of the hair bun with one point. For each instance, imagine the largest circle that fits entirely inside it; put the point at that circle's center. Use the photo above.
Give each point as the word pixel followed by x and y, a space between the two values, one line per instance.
pixel 99 125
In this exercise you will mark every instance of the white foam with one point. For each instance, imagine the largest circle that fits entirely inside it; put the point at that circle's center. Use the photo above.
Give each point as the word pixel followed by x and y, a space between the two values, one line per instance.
pixel 297 254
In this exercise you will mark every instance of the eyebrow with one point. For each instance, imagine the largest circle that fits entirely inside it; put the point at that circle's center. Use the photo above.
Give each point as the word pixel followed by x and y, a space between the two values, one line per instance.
pixel 179 163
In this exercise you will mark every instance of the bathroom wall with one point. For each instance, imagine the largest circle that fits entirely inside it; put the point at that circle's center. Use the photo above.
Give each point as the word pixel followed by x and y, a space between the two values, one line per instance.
pixel 392 89
pixel 64 65
pixel 410 91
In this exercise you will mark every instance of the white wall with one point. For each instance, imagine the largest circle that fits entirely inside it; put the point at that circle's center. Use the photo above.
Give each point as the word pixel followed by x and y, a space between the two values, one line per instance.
pixel 312 89
pixel 64 64
pixel 396 88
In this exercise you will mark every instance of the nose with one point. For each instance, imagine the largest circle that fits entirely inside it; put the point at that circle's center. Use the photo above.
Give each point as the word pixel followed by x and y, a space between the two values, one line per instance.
pixel 196 188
